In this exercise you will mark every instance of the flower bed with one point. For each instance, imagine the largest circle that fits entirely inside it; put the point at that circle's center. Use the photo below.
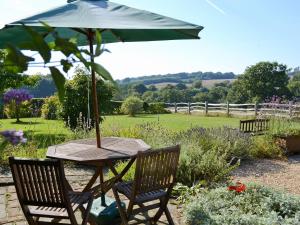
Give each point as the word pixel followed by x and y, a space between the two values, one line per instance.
pixel 255 205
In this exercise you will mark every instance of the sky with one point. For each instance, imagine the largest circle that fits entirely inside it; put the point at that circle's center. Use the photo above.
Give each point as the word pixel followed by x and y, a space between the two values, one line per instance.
pixel 236 34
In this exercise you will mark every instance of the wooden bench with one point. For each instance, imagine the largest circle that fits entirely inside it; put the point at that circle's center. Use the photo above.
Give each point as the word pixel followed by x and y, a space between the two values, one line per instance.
pixel 254 126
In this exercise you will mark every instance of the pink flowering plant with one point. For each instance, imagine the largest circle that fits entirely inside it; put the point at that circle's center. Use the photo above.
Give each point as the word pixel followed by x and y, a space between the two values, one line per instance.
pixel 16 97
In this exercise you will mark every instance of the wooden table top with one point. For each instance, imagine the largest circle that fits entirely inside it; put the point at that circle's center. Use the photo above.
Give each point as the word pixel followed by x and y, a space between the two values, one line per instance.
pixel 85 150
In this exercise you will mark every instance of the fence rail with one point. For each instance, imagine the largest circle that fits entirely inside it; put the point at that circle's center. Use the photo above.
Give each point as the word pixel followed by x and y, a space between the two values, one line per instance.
pixel 283 110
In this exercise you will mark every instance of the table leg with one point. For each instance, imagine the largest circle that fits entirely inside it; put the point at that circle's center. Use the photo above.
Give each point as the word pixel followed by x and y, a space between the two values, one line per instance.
pixel 93 179
pixel 104 186
pixel 103 203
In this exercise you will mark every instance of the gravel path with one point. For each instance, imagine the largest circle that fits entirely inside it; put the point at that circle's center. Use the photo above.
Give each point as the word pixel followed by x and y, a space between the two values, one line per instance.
pixel 279 174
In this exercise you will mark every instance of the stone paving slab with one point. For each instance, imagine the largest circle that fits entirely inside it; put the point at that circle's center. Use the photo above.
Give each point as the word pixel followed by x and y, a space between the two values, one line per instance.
pixel 11 213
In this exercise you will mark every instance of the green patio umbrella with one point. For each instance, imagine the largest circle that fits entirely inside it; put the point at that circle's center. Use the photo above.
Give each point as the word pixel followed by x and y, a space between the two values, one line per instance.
pixel 116 22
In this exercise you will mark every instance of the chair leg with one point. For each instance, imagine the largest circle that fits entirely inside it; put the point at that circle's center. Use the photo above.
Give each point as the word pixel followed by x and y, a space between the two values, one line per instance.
pixel 158 215
pixel 121 210
pixel 169 217
pixel 162 208
pixel 87 211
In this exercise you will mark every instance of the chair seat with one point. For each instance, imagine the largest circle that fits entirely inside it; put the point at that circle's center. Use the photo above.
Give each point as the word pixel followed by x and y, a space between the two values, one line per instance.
pixel 76 199
pixel 126 189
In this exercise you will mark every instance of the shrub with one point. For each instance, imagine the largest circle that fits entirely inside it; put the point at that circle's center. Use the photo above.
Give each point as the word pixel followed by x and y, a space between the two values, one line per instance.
pixel 51 109
pixel 204 152
pixel 157 108
pixel 24 110
pixel 132 105
pixel 266 147
pixel 115 107
pixel 36 106
pixel 257 205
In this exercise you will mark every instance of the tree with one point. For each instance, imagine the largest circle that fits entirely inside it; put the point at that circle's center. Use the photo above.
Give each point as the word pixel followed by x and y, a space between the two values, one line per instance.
pixel 152 88
pixel 197 84
pixel 78 99
pixel 15 97
pixel 217 94
pixel 238 93
pixel 262 81
pixel 139 88
pixel 181 86
pixel 132 105
pixel 171 95
pixel 294 85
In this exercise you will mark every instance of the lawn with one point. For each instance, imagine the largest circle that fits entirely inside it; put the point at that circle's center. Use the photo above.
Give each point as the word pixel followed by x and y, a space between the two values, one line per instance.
pixel 174 122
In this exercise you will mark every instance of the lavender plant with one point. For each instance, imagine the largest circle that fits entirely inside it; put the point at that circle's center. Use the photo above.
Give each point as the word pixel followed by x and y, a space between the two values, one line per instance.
pixel 14 137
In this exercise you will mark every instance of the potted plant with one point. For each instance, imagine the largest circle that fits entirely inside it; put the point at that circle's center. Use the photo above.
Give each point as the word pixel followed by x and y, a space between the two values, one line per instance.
pixel 289 140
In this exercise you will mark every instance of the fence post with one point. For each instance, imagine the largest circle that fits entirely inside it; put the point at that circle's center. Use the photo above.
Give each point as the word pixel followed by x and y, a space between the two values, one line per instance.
pixel 206 108
pixel 290 109
pixel 175 105
pixel 255 108
pixel 189 108
pixel 227 109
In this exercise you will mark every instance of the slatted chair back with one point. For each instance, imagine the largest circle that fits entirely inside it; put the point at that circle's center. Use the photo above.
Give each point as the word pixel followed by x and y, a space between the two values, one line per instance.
pixel 39 182
pixel 254 126
pixel 156 169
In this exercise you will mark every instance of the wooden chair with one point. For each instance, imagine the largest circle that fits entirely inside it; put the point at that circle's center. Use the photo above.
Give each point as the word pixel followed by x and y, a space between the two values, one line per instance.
pixel 155 176
pixel 43 192
pixel 255 126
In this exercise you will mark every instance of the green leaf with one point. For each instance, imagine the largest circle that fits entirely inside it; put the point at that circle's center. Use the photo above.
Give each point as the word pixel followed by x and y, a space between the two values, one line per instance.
pixel 98 43
pixel 48 27
pixel 39 43
pixel 66 47
pixel 59 81
pixel 85 51
pixel 66 65
pixel 15 61
pixel 102 72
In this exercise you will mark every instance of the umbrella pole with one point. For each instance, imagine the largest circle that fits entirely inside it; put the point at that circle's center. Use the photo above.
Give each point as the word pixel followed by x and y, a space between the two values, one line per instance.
pixel 94 89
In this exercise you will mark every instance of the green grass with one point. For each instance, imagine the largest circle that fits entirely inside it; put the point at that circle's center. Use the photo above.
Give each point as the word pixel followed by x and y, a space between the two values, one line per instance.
pixel 174 122
pixel 37 125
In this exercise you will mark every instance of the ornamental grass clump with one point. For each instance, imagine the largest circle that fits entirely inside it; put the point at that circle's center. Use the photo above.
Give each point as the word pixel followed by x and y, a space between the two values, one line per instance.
pixel 15 97
pixel 252 205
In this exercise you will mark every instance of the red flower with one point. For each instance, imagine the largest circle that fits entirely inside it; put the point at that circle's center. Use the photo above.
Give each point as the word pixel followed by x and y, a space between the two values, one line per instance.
pixel 238 188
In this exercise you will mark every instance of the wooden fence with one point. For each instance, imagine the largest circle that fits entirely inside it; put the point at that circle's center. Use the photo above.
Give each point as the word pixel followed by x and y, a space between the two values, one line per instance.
pixel 267 109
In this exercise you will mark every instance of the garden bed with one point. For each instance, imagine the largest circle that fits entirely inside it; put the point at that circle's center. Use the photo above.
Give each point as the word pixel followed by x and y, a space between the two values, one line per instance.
pixel 257 205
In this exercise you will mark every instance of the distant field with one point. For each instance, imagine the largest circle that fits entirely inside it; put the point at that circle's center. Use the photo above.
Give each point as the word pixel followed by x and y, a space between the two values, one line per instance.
pixel 211 83
pixel 205 83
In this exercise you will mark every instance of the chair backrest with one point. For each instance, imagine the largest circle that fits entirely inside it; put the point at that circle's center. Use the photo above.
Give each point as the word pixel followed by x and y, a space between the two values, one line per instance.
pixel 156 169
pixel 39 182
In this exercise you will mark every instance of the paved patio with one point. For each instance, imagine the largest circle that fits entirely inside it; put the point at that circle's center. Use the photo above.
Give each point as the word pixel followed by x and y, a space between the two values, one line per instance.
pixel 11 213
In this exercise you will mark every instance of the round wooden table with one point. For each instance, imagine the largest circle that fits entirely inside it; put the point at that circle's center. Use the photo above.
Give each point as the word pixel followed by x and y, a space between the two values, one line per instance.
pixel 113 149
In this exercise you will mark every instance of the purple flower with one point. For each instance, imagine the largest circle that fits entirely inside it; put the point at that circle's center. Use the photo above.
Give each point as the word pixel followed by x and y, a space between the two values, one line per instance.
pixel 17 95
pixel 13 136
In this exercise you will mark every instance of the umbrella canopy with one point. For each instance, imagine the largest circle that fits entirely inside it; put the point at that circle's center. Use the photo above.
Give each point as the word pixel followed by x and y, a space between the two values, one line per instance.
pixel 118 23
